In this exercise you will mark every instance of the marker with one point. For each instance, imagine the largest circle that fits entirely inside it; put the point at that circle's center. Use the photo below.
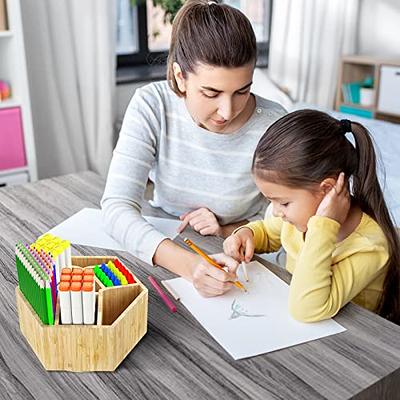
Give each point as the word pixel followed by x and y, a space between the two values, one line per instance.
pixel 76 303
pixel 65 278
pixel 66 271
pixel 88 271
pixel 65 302
pixel 76 271
pixel 76 278
pixel 88 278
pixel 162 294
pixel 124 270
pixel 36 282
pixel 88 300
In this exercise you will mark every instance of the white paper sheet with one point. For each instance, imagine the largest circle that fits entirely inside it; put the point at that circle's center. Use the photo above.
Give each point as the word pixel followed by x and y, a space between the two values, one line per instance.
pixel 248 324
pixel 86 228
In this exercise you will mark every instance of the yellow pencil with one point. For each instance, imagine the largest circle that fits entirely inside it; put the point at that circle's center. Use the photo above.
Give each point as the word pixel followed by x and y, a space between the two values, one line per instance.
pixel 210 260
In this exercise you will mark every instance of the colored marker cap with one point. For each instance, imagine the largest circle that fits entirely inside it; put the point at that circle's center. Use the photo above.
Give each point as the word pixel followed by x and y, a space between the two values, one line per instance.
pixel 88 278
pixel 77 278
pixel 77 271
pixel 87 287
pixel 66 270
pixel 76 286
pixel 88 271
pixel 65 277
pixel 64 287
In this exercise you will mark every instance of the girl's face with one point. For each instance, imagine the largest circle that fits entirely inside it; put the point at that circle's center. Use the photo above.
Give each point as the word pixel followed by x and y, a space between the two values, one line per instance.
pixel 295 206
pixel 218 98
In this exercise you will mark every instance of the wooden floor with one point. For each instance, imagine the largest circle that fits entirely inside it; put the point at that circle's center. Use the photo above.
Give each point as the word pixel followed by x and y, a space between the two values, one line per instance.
pixel 178 359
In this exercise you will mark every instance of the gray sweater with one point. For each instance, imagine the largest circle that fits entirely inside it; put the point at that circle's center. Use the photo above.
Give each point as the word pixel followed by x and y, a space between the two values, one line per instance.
pixel 191 167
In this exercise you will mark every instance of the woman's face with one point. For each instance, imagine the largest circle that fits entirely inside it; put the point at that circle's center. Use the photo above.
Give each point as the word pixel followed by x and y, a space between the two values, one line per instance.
pixel 217 98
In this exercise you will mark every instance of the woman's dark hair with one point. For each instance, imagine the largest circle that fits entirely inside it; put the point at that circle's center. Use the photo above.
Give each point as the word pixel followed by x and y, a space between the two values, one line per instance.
pixel 209 33
pixel 305 147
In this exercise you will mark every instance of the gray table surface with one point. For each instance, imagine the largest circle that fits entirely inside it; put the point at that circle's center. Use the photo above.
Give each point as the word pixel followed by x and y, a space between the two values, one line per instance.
pixel 177 358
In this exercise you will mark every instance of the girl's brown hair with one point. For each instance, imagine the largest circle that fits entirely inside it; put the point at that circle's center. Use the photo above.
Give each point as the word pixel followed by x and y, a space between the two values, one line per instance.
pixel 305 147
pixel 209 33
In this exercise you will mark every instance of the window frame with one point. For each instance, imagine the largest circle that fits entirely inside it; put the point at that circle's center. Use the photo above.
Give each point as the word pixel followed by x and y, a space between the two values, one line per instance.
pixel 145 57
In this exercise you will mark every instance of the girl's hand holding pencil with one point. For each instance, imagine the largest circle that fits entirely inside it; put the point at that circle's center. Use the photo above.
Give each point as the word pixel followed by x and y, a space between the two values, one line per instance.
pixel 240 245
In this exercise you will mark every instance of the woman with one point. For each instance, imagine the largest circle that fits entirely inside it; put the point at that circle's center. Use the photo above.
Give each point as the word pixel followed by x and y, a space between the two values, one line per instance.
pixel 194 137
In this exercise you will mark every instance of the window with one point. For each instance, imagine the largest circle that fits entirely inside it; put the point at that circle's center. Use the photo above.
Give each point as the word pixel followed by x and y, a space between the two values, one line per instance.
pixel 143 35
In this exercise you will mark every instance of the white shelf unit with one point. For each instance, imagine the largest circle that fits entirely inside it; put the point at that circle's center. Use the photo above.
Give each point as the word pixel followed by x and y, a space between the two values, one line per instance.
pixel 13 69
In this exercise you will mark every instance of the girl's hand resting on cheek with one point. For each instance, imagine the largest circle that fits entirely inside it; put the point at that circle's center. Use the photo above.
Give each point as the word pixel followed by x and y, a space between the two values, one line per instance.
pixel 336 203
pixel 240 245
pixel 211 281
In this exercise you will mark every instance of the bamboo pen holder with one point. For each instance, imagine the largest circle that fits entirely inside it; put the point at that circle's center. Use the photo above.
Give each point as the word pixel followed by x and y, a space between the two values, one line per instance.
pixel 121 323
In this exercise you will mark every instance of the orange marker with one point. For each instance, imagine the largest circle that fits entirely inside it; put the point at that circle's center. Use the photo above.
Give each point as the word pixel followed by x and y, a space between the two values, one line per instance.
pixel 76 278
pixel 77 271
pixel 88 271
pixel 65 302
pixel 76 302
pixel 88 278
pixel 65 277
pixel 88 302
pixel 66 270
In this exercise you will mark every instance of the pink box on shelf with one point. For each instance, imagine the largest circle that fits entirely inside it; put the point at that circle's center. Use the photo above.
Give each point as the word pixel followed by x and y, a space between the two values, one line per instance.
pixel 12 149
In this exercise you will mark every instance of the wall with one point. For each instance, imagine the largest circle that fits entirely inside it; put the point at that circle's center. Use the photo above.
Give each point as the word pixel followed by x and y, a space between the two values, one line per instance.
pixel 379 32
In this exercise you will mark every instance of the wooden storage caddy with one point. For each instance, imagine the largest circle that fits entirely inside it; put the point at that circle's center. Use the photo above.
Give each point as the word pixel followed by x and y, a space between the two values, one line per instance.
pixel 121 323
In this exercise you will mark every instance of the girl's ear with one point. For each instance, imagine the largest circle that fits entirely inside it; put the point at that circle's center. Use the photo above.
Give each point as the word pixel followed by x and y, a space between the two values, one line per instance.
pixel 327 184
pixel 180 80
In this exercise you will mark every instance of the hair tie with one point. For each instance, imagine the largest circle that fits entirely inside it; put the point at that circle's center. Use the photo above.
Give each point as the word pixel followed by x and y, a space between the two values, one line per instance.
pixel 212 2
pixel 345 125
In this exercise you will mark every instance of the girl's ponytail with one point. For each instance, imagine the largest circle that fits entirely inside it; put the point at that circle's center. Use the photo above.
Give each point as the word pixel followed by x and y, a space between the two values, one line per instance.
pixel 368 193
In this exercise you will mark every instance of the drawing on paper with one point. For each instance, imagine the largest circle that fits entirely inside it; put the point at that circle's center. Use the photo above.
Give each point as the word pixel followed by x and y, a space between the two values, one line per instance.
pixel 238 311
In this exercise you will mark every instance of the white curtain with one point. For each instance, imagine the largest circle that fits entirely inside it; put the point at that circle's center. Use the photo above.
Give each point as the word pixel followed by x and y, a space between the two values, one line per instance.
pixel 308 39
pixel 70 46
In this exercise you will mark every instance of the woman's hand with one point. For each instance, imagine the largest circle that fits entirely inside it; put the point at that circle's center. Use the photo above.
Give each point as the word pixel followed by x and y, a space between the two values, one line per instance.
pixel 211 281
pixel 336 203
pixel 202 221
pixel 240 245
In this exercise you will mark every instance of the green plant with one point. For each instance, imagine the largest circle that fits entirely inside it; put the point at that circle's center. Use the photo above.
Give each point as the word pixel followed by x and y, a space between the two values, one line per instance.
pixel 170 7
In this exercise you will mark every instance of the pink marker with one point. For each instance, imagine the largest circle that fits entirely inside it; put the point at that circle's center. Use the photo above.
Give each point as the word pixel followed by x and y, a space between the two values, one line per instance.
pixel 163 295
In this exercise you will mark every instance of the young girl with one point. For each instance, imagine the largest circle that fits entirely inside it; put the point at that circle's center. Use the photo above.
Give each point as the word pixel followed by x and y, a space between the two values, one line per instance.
pixel 193 136
pixel 329 215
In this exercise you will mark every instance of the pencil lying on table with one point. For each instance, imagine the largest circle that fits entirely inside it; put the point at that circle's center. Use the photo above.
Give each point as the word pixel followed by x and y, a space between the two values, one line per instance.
pixel 210 260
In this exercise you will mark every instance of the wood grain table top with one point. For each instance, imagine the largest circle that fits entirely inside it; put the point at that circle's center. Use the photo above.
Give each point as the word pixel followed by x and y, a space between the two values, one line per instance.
pixel 177 358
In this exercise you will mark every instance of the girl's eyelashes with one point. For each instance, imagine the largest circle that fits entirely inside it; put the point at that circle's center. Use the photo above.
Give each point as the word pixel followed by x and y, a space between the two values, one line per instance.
pixel 285 204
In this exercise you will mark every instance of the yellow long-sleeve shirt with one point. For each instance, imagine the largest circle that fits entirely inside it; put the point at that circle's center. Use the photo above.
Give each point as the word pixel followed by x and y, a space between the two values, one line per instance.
pixel 327 274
